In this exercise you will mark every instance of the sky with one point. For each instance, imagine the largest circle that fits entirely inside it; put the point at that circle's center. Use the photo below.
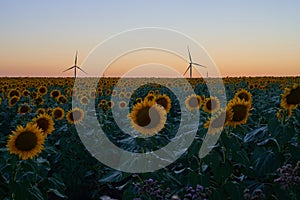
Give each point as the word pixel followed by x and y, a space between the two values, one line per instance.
pixel 242 38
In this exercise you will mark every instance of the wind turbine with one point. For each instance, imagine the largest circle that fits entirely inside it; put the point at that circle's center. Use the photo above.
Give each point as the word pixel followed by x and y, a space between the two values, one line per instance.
pixel 191 63
pixel 75 66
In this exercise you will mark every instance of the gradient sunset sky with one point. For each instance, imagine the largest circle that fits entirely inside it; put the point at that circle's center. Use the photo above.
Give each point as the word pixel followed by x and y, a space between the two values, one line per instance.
pixel 243 38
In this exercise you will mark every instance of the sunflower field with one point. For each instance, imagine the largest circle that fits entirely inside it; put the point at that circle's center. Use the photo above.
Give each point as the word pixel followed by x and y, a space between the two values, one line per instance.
pixel 257 155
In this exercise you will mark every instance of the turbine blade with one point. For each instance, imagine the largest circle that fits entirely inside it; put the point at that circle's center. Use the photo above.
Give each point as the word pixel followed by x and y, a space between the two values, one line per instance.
pixel 199 65
pixel 187 70
pixel 68 69
pixel 189 54
pixel 81 70
pixel 76 58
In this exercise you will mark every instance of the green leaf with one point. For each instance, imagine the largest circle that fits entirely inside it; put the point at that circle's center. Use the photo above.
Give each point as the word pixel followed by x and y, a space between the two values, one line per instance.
pixel 36 193
pixel 57 193
pixel 113 176
pixel 234 191
pixel 241 157
pixel 256 134
pixel 266 163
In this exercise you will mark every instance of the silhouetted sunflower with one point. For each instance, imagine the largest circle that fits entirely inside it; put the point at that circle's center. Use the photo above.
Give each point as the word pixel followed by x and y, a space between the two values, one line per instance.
pixel 148 118
pixel 240 110
pixel 164 101
pixel 26 142
pixel 211 104
pixel 290 99
pixel 193 102
pixel 75 116
pixel 24 108
pixel 244 94
pixel 45 123
pixel 58 113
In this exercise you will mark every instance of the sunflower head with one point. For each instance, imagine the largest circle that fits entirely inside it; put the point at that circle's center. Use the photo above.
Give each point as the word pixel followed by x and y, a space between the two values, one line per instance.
pixel 148 118
pixel 62 99
pixel 45 123
pixel 240 110
pixel 164 101
pixel 75 116
pixel 24 108
pixel 26 142
pixel 122 104
pixel 243 94
pixel 38 101
pixel 55 93
pixel 26 93
pixel 211 104
pixel 219 121
pixel 40 111
pixel 84 100
pixel 193 102
pixel 42 90
pixel 150 97
pixel 13 101
pixel 58 113
pixel 290 99
pixel 13 92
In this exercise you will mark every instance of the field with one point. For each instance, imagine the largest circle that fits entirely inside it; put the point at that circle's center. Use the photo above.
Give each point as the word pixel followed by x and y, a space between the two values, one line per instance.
pixel 43 156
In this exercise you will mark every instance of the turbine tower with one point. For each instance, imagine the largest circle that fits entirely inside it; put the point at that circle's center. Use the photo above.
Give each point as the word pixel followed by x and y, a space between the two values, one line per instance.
pixel 75 66
pixel 191 63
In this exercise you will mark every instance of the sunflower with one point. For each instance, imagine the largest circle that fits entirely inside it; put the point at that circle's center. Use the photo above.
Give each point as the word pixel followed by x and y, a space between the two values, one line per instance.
pixel 93 94
pixel 111 104
pixel 138 100
pixel 84 100
pixel 40 111
pixel 24 108
pixel 38 101
pixel 150 97
pixel 244 94
pixel 42 90
pixel 211 104
pixel 26 142
pixel 193 102
pixel 58 113
pixel 55 93
pixel 164 101
pixel 34 95
pixel 26 93
pixel 220 120
pixel 240 109
pixel 290 99
pixel 75 116
pixel 13 101
pixel 122 104
pixel 44 122
pixel 62 99
pixel 148 118
pixel 13 92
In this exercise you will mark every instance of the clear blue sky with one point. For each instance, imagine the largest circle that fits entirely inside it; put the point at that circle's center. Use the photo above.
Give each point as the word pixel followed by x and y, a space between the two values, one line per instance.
pixel 39 38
